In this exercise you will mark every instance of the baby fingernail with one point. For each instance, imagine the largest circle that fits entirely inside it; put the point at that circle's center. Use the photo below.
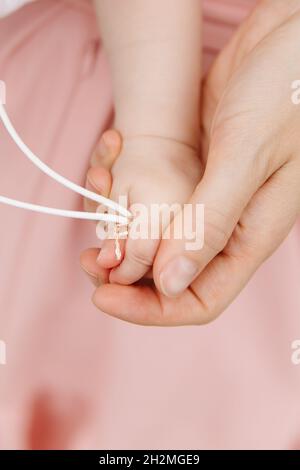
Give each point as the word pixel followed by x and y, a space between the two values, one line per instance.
pixel 99 257
pixel 178 275
pixel 104 253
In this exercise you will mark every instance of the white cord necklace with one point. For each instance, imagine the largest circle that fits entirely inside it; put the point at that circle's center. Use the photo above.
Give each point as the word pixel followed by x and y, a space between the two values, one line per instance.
pixel 123 214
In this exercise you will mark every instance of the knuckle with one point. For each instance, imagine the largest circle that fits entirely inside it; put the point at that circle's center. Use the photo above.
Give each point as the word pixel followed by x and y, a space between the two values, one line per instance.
pixel 216 234
pixel 140 255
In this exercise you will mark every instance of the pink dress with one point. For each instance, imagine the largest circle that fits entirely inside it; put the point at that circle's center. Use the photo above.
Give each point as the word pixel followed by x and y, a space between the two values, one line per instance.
pixel 75 378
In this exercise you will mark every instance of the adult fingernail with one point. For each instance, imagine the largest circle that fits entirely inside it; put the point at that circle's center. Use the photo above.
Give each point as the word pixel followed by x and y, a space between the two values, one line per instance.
pixel 178 275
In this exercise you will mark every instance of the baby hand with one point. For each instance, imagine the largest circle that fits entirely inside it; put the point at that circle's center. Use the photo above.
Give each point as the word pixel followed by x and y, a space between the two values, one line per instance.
pixel 149 170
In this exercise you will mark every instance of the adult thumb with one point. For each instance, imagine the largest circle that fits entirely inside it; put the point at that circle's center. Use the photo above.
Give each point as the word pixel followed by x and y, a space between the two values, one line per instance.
pixel 224 192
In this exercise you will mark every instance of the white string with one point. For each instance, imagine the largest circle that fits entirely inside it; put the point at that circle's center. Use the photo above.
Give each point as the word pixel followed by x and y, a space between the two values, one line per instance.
pixel 65 213
pixel 60 179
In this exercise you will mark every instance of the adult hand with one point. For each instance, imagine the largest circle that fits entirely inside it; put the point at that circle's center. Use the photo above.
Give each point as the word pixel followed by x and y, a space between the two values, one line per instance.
pixel 251 185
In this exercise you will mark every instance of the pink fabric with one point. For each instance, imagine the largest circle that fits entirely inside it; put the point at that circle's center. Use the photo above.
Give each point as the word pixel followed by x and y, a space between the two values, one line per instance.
pixel 76 378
